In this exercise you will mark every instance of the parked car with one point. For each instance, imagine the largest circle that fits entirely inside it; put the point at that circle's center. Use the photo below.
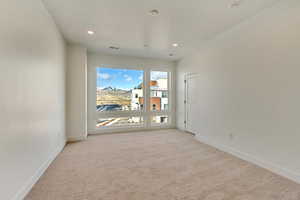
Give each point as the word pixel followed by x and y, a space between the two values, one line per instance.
pixel 108 107
pixel 100 107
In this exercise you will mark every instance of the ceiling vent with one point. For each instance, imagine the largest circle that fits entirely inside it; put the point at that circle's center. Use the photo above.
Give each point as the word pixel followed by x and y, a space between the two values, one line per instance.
pixel 114 48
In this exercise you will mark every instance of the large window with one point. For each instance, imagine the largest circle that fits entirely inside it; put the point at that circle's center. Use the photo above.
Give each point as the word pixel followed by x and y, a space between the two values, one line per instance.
pixel 130 97
pixel 119 89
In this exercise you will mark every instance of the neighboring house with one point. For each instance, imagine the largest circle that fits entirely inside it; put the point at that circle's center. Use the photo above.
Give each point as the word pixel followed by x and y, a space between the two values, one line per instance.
pixel 136 94
pixel 159 96
pixel 158 101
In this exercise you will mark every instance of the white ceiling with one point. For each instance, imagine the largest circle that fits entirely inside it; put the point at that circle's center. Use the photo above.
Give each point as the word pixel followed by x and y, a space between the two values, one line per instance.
pixel 128 24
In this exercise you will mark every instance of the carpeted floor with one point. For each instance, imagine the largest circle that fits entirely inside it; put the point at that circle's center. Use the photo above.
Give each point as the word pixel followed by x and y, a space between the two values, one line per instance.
pixel 157 165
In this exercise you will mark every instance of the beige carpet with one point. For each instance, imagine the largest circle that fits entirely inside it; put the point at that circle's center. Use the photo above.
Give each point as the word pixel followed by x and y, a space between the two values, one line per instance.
pixel 158 165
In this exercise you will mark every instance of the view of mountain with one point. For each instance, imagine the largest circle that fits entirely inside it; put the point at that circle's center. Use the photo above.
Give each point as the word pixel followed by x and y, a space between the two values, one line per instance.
pixel 110 95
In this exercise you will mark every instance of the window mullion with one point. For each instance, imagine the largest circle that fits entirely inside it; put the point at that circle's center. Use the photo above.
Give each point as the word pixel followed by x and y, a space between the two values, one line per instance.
pixel 147 117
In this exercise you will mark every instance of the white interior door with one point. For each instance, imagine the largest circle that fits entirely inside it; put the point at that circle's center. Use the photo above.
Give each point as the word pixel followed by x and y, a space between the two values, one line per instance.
pixel 191 99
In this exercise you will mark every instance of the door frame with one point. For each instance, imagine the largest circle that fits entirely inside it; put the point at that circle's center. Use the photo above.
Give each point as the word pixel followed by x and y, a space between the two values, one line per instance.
pixel 187 77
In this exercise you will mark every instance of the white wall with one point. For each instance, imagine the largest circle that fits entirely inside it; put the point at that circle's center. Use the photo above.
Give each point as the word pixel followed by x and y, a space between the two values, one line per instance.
pixel 76 124
pixel 118 61
pixel 32 99
pixel 249 86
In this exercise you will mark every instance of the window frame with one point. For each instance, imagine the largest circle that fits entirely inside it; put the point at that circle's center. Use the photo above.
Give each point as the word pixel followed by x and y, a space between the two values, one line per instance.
pixel 145 113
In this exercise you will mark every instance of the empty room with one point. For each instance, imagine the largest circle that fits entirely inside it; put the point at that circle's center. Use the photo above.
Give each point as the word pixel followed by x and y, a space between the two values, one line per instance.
pixel 150 100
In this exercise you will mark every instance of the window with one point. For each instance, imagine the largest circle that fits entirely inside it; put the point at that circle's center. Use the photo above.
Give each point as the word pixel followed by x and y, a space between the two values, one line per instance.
pixel 164 94
pixel 159 90
pixel 166 107
pixel 122 98
pixel 119 89
pixel 153 106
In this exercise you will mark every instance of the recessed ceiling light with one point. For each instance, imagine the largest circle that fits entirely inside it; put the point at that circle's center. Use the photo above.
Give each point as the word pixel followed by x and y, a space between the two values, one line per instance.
pixel 154 12
pixel 235 3
pixel 91 32
pixel 175 45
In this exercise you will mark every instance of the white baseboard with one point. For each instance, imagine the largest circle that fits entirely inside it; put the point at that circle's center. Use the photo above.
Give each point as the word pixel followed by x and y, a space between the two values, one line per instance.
pixel 21 194
pixel 250 158
pixel 76 138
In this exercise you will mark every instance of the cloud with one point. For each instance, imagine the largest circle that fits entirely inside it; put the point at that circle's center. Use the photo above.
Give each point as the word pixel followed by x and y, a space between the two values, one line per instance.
pixel 155 75
pixel 104 76
pixel 127 78
pixel 141 77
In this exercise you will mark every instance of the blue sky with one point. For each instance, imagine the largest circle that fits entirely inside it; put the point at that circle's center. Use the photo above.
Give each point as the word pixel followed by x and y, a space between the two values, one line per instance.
pixel 118 78
pixel 124 78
